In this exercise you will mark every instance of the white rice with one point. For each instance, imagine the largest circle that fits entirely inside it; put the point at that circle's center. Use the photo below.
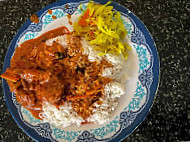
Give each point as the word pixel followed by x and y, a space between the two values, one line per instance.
pixel 59 39
pixel 88 49
pixel 65 116
pixel 117 62
pixel 114 90
pixel 102 112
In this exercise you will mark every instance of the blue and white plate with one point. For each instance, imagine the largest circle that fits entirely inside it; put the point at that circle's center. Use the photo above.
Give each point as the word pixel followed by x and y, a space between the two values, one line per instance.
pixel 133 107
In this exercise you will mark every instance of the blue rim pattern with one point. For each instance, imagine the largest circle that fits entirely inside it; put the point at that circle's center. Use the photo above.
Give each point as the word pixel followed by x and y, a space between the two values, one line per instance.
pixel 151 83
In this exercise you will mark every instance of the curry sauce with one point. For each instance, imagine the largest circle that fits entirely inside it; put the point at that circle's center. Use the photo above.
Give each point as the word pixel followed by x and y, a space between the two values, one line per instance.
pixel 39 72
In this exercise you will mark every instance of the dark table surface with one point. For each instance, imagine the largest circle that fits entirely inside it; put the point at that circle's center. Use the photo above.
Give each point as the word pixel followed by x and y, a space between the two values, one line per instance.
pixel 169 23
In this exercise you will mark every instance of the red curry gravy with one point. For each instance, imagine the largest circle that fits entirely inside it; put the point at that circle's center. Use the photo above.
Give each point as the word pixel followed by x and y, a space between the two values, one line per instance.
pixel 39 72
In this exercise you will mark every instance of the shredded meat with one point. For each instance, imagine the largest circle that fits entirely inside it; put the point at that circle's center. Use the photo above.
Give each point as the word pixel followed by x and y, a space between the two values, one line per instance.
pixel 56 74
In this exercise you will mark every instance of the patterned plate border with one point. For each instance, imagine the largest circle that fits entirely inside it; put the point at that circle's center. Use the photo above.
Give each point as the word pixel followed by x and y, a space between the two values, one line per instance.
pixel 128 119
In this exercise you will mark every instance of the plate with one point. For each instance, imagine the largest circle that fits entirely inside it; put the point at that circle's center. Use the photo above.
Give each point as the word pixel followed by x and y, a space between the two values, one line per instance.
pixel 143 69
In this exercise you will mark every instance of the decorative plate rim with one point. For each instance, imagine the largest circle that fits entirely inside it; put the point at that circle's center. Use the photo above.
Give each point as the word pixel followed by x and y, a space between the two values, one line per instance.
pixel 155 69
